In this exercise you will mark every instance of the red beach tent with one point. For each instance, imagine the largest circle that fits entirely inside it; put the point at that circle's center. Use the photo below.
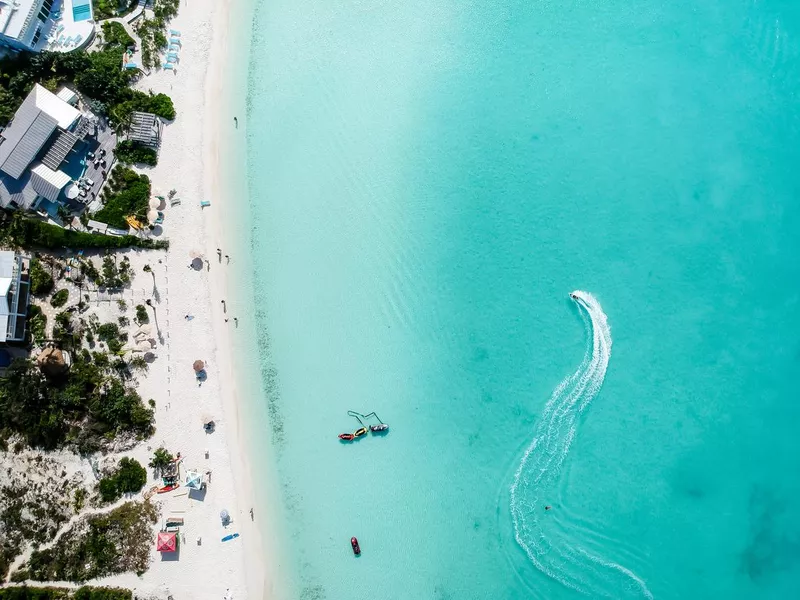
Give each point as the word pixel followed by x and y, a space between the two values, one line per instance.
pixel 166 542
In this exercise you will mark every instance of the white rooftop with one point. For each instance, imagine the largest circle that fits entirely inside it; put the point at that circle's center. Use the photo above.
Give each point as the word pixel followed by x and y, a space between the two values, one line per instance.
pixel 12 17
pixel 48 102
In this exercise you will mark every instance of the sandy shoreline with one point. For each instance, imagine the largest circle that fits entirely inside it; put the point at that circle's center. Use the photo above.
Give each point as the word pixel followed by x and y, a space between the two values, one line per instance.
pixel 191 162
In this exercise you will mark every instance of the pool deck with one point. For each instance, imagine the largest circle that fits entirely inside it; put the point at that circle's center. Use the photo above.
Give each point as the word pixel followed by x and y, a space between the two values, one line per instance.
pixel 66 28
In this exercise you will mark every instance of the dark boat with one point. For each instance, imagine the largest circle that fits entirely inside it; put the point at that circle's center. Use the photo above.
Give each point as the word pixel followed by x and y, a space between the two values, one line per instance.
pixel 379 428
pixel 360 431
pixel 354 544
pixel 347 437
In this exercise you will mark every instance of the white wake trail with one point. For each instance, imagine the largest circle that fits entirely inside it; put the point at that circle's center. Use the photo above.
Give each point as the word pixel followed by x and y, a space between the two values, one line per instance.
pixel 542 461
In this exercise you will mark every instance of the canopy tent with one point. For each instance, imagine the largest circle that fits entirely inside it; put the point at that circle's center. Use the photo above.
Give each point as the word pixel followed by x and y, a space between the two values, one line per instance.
pixel 166 541
pixel 197 264
pixel 224 516
pixel 194 480
pixel 198 366
pixel 155 203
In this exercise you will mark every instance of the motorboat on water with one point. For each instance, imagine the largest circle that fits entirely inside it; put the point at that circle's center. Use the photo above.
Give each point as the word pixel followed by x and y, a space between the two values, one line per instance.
pixel 379 428
pixel 573 296
pixel 355 546
pixel 360 431
pixel 347 437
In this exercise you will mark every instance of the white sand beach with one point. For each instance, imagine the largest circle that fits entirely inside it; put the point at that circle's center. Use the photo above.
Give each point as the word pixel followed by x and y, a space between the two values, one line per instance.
pixel 204 567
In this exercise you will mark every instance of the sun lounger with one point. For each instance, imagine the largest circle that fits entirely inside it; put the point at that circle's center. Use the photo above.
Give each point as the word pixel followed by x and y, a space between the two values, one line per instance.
pixel 168 66
pixel 78 39
pixel 174 33
pixel 59 29
pixel 175 41
pixel 131 65
pixel 174 47
pixel 172 59
pixel 205 203
pixel 174 201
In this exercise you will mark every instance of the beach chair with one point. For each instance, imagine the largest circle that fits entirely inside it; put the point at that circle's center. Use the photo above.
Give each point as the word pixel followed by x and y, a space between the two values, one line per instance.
pixel 78 39
pixel 175 41
pixel 130 65
pixel 174 47
pixel 174 33
pixel 60 40
pixel 175 202
pixel 168 66
pixel 59 29
pixel 205 203
pixel 172 59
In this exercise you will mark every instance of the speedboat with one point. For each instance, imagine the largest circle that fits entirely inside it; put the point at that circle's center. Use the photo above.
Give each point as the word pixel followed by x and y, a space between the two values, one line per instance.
pixel 360 431
pixel 379 428
pixel 354 544
pixel 347 437
pixel 573 296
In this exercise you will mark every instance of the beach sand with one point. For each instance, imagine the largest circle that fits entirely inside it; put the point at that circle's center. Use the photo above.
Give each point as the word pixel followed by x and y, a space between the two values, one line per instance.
pixel 189 162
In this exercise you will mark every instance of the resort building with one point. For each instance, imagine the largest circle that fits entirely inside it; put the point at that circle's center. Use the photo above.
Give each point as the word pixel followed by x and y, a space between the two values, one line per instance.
pixel 58 25
pixel 42 151
pixel 14 292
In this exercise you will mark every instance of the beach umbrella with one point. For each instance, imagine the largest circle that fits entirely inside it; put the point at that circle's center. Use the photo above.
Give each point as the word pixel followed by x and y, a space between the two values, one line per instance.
pixel 144 346
pixel 51 361
pixel 195 254
pixel 72 192
pixel 152 215
pixel 155 203
pixel 207 418
pixel 145 329
pixel 149 356
pixel 194 480
pixel 197 264
pixel 224 516
pixel 198 366
pixel 166 541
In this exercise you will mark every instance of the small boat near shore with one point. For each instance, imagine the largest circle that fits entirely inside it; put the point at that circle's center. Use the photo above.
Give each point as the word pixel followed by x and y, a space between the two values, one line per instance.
pixel 359 432
pixel 168 488
pixel 355 546
pixel 346 437
pixel 381 427
pixel 230 537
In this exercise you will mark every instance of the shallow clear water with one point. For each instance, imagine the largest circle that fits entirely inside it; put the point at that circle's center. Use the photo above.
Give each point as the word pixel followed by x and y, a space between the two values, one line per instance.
pixel 427 185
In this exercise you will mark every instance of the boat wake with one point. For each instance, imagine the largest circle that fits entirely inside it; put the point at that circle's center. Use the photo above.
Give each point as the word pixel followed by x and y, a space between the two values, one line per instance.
pixel 540 468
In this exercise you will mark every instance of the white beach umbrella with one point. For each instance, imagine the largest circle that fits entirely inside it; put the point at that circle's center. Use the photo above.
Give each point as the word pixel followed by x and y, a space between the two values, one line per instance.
pixel 144 346
pixel 144 329
pixel 195 254
pixel 155 203
pixel 152 215
pixel 72 192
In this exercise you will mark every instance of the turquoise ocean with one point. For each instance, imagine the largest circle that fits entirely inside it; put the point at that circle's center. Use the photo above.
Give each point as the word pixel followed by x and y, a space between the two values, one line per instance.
pixel 427 184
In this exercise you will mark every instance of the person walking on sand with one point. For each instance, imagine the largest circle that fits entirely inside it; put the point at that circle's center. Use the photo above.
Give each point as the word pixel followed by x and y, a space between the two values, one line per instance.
pixel 236 122
pixel 224 308
pixel 219 254
pixel 236 321
pixel 251 515
pixel 227 259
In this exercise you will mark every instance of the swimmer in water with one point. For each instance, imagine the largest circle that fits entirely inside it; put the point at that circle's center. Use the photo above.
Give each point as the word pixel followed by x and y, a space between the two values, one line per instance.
pixel 548 507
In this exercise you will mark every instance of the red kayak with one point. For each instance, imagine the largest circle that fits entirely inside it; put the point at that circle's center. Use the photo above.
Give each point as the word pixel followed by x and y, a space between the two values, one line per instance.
pixel 168 488
pixel 354 544
pixel 347 437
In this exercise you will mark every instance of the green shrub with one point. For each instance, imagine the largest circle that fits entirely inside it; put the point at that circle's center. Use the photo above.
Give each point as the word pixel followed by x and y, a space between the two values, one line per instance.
pixel 114 35
pixel 27 233
pixel 59 299
pixel 40 278
pixel 128 152
pixel 130 198
pixel 37 323
pixel 131 476
pixel 142 315
pixel 109 491
pixel 84 408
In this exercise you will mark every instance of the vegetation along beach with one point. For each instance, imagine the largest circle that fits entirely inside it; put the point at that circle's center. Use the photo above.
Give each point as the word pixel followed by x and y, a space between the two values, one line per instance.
pixel 349 299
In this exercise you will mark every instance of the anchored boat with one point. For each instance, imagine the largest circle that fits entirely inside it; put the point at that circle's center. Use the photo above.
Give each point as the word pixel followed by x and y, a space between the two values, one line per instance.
pixel 347 437
pixel 355 546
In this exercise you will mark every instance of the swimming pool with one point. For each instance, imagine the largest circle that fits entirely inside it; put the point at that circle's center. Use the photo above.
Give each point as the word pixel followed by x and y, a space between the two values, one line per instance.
pixel 81 10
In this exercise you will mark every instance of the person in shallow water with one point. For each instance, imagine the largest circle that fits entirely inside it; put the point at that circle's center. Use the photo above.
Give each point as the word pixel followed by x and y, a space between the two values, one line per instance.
pixel 548 507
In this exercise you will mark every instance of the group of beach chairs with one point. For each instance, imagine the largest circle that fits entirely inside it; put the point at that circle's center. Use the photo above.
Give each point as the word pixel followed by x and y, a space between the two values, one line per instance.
pixel 175 46
pixel 57 39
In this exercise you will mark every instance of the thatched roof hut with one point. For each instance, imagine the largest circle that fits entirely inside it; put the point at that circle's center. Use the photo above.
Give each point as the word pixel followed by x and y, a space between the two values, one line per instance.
pixel 52 361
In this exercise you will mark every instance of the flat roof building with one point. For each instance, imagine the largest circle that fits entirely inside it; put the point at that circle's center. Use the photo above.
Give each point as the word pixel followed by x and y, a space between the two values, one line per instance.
pixel 14 297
